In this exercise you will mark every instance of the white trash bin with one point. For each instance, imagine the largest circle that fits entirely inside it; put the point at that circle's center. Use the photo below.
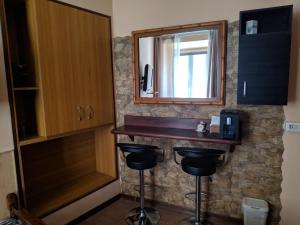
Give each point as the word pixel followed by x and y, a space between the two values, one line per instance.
pixel 255 211
pixel 10 222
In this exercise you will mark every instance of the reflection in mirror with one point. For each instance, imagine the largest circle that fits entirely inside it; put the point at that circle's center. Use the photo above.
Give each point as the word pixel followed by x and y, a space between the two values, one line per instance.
pixel 187 64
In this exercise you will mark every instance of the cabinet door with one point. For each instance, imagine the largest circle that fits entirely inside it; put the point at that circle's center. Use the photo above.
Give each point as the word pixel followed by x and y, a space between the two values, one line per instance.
pixel 92 53
pixel 101 103
pixel 76 67
pixel 264 69
pixel 56 67
pixel 75 39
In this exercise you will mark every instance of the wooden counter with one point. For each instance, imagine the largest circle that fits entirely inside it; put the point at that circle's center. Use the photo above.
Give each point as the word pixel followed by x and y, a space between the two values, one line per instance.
pixel 168 127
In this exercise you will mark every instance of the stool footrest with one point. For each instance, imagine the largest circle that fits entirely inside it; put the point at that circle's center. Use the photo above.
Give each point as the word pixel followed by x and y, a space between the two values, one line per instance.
pixel 137 187
pixel 187 195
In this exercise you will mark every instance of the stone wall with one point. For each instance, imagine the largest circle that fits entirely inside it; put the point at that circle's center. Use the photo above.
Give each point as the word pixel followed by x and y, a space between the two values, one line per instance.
pixel 254 168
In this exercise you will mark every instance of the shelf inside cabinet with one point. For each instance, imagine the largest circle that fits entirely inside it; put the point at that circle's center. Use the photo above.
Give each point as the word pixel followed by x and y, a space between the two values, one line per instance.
pixel 25 88
pixel 20 43
pixel 26 103
pixel 276 19
pixel 31 140
pixel 264 35
pixel 60 171
pixel 45 203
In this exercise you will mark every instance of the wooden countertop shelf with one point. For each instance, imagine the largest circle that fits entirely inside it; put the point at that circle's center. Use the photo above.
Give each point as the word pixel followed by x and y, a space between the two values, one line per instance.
pixel 54 199
pixel 168 127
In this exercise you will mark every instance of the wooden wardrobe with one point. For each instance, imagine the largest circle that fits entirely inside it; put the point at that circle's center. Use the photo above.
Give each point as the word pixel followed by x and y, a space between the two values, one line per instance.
pixel 59 68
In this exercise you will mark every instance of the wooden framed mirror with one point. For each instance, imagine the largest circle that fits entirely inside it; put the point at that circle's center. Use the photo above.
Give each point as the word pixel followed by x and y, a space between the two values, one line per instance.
pixel 180 64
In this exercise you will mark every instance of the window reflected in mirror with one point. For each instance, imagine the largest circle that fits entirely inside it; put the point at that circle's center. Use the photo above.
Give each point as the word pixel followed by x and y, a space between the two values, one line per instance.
pixel 180 65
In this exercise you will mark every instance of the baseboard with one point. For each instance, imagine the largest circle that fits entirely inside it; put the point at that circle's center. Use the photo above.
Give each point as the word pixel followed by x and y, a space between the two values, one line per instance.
pixel 84 205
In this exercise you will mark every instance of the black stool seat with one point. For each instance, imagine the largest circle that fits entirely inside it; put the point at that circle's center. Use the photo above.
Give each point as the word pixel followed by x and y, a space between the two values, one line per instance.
pixel 198 152
pixel 141 161
pixel 136 148
pixel 199 166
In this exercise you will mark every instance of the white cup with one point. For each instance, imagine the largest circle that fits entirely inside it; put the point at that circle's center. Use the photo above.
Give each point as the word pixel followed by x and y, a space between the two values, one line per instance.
pixel 251 27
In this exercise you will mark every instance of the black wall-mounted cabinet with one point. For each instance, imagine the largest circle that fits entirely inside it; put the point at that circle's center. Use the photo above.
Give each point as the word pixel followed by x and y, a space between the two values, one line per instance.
pixel 264 58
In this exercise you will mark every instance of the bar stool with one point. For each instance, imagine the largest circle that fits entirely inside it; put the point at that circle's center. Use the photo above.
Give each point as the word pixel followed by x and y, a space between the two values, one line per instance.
pixel 197 162
pixel 141 157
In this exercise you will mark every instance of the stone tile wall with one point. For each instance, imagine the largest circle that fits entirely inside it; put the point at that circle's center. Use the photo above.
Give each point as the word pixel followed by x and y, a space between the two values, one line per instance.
pixel 254 168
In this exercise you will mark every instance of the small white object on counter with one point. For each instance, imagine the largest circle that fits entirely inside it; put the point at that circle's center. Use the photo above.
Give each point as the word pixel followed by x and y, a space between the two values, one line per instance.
pixel 201 127
pixel 215 120
pixel 215 124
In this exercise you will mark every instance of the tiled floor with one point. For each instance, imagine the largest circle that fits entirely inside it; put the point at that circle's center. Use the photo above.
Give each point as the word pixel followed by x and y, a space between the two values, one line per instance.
pixel 115 214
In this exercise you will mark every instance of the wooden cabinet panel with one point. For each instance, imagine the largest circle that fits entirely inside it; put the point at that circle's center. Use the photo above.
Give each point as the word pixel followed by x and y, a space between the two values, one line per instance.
pixel 101 81
pixel 56 72
pixel 92 54
pixel 62 170
pixel 60 69
pixel 75 67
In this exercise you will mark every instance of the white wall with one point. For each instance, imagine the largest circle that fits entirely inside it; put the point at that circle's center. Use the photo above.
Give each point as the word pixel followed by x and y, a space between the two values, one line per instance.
pixel 7 163
pixel 100 6
pixel 6 138
pixel 8 181
pixel 130 15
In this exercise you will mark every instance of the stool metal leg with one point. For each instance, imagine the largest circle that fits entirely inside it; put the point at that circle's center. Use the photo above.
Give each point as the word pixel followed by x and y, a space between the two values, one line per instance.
pixel 143 215
pixel 142 189
pixel 197 220
pixel 198 199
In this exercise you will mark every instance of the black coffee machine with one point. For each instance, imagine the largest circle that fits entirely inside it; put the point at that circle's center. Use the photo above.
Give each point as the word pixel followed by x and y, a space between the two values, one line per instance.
pixel 230 125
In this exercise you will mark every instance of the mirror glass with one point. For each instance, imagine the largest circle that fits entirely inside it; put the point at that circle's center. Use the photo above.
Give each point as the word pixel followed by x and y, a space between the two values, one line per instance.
pixel 180 64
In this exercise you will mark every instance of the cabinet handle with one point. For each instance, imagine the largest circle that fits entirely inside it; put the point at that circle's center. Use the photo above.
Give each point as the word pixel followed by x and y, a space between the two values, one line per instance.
pixel 90 112
pixel 80 113
pixel 245 89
